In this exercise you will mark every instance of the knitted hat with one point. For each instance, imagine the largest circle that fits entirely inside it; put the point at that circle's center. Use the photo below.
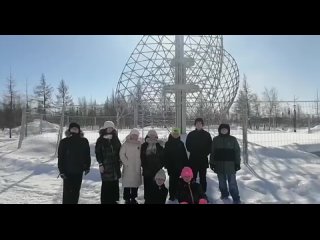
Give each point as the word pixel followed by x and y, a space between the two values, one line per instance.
pixel 175 131
pixel 134 131
pixel 108 124
pixel 152 132
pixel 160 175
pixel 186 172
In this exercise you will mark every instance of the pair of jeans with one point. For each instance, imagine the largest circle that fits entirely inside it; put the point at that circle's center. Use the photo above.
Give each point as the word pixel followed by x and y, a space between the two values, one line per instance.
pixel 233 186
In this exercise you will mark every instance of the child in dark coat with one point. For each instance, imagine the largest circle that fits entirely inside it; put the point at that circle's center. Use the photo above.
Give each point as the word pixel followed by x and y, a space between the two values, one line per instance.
pixel 189 191
pixel 176 158
pixel 159 192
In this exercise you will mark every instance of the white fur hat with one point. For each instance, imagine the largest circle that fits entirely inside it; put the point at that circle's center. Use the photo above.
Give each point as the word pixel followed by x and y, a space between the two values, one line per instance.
pixel 108 124
pixel 134 131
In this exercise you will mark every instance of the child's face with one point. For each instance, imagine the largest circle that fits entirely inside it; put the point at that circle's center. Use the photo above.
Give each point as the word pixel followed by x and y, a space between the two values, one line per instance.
pixel 109 129
pixel 224 131
pixel 187 179
pixel 153 137
pixel 134 137
pixel 159 181
pixel 199 125
pixel 74 130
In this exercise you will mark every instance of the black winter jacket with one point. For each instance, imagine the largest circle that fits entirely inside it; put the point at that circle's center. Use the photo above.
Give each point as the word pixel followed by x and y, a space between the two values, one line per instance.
pixel 198 143
pixel 175 156
pixel 190 192
pixel 74 154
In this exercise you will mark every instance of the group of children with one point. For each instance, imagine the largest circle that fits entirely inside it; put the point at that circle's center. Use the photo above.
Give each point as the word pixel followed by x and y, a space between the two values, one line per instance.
pixel 138 160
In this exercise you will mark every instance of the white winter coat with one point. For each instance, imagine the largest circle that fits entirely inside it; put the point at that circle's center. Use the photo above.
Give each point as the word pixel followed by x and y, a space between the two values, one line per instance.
pixel 130 157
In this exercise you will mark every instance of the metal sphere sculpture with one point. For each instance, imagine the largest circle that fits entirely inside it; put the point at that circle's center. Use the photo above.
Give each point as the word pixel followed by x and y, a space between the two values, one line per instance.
pixel 210 70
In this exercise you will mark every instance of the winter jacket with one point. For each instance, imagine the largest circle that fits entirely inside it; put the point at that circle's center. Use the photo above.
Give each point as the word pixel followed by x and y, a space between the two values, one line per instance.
pixel 130 157
pixel 198 143
pixel 152 163
pixel 158 195
pixel 175 156
pixel 107 154
pixel 74 154
pixel 225 153
pixel 189 192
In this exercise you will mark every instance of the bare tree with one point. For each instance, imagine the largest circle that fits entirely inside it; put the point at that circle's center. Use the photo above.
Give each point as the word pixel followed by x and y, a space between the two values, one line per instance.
pixel 83 106
pixel 92 107
pixel 247 104
pixel 9 105
pixel 63 97
pixel 271 97
pixel 43 94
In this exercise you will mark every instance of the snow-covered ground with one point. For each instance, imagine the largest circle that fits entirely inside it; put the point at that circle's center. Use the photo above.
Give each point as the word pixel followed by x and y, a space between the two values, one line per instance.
pixel 288 173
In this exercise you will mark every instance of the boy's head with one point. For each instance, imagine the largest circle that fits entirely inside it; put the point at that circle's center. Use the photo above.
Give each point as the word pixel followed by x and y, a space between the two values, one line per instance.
pixel 198 123
pixel 224 129
pixel 187 174
pixel 160 177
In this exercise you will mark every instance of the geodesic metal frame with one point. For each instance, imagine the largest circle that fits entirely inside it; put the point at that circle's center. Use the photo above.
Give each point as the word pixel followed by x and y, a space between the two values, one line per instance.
pixel 149 69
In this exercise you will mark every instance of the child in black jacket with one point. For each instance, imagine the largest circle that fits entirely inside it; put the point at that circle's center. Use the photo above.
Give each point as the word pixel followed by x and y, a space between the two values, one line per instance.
pixel 190 192
pixel 159 192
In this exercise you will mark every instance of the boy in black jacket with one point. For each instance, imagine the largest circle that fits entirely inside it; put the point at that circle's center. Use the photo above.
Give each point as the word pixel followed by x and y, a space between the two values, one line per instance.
pixel 176 158
pixel 73 159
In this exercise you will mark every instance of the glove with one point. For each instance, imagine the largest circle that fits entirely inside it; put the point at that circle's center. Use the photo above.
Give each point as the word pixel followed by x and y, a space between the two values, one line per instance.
pixel 86 171
pixel 237 167
pixel 203 201
pixel 63 176
pixel 101 169
pixel 184 203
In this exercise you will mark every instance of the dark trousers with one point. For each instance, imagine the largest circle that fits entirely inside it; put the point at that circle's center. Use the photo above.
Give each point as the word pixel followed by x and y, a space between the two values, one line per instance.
pixel 109 192
pixel 173 184
pixel 71 189
pixel 147 186
pixel 202 175
pixel 233 186
pixel 129 194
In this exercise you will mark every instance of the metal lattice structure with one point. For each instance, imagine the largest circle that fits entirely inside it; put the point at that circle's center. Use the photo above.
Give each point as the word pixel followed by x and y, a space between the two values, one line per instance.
pixel 149 69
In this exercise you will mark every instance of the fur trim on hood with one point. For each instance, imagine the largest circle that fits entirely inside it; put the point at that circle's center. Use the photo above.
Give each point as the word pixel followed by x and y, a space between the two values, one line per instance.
pixel 67 133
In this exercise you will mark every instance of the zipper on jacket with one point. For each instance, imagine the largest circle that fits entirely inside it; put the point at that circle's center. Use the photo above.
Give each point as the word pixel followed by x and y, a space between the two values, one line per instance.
pixel 191 193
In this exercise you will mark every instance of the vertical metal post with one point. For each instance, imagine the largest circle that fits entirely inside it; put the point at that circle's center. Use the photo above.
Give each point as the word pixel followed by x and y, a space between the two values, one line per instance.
pixel 180 78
